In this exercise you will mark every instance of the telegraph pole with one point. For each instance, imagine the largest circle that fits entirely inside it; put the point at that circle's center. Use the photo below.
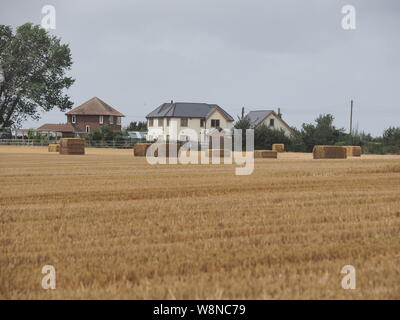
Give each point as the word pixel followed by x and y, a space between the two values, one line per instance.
pixel 351 117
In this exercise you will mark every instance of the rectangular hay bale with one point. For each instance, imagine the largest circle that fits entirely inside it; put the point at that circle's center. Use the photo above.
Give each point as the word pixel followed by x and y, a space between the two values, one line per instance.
pixel 353 151
pixel 218 153
pixel 266 154
pixel 278 147
pixel 54 148
pixel 72 146
pixel 163 149
pixel 329 152
pixel 140 149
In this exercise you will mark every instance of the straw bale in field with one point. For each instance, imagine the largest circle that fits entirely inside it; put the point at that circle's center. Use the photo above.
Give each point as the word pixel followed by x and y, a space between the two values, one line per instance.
pixel 271 154
pixel 353 151
pixel 163 149
pixel 278 147
pixel 218 153
pixel 329 152
pixel 139 149
pixel 72 146
pixel 54 148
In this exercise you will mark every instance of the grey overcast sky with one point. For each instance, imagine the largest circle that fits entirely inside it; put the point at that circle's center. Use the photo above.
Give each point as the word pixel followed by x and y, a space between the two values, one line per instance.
pixel 264 54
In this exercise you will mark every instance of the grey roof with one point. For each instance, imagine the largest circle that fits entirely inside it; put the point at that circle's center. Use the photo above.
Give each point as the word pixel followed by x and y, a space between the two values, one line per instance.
pixel 187 110
pixel 256 117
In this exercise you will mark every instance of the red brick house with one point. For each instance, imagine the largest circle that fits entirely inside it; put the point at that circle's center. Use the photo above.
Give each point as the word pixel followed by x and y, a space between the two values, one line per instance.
pixel 84 119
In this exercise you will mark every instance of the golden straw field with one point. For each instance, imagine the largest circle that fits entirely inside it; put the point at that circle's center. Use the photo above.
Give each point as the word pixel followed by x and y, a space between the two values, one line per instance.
pixel 114 226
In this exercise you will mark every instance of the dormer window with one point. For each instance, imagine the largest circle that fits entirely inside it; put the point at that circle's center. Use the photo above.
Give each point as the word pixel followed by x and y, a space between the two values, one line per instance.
pixel 73 118
pixel 271 122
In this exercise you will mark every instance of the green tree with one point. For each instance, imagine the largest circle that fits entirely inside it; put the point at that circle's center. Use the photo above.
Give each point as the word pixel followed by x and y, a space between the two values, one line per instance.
pixel 104 133
pixel 265 137
pixel 243 123
pixel 357 138
pixel 33 68
pixel 323 132
pixel 391 137
pixel 137 126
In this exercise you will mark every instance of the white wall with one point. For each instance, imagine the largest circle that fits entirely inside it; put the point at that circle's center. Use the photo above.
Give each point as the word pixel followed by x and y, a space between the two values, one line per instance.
pixel 223 123
pixel 278 124
pixel 193 123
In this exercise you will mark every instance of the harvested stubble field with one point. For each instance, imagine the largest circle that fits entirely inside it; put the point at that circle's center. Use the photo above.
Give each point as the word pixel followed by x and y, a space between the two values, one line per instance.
pixel 115 227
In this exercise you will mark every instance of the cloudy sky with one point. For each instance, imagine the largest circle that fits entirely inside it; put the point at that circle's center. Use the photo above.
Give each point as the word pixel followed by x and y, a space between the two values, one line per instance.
pixel 260 54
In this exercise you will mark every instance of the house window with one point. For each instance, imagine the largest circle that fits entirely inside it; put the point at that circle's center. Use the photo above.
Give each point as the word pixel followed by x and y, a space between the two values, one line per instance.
pixel 184 122
pixel 215 123
pixel 101 120
pixel 151 122
pixel 87 129
pixel 119 121
pixel 73 119
pixel 272 122
pixel 168 120
pixel 111 119
pixel 160 122
pixel 201 123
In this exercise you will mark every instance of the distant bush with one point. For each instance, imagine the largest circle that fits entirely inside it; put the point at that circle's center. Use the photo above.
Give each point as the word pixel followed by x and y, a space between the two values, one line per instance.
pixel 104 133
pixel 322 132
pixel 137 126
pixel 391 137
pixel 378 148
pixel 265 137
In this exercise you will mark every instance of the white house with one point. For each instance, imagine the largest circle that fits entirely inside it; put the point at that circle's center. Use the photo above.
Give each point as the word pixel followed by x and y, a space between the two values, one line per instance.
pixel 170 121
pixel 269 118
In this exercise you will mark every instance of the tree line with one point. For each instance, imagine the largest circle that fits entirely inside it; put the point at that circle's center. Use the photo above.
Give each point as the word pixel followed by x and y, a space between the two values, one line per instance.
pixel 322 132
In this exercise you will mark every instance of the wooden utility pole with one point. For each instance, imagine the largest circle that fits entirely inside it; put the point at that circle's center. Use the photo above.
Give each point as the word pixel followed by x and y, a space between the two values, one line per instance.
pixel 351 117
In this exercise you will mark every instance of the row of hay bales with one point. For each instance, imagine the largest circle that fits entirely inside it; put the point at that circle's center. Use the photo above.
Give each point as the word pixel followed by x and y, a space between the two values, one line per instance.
pixel 76 146
pixel 140 149
pixel 69 146
pixel 336 152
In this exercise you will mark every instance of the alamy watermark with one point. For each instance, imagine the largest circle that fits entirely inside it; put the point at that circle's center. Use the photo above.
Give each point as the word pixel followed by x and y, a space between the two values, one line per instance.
pixel 349 19
pixel 198 151
pixel 49 280
pixel 49 17
pixel 349 280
